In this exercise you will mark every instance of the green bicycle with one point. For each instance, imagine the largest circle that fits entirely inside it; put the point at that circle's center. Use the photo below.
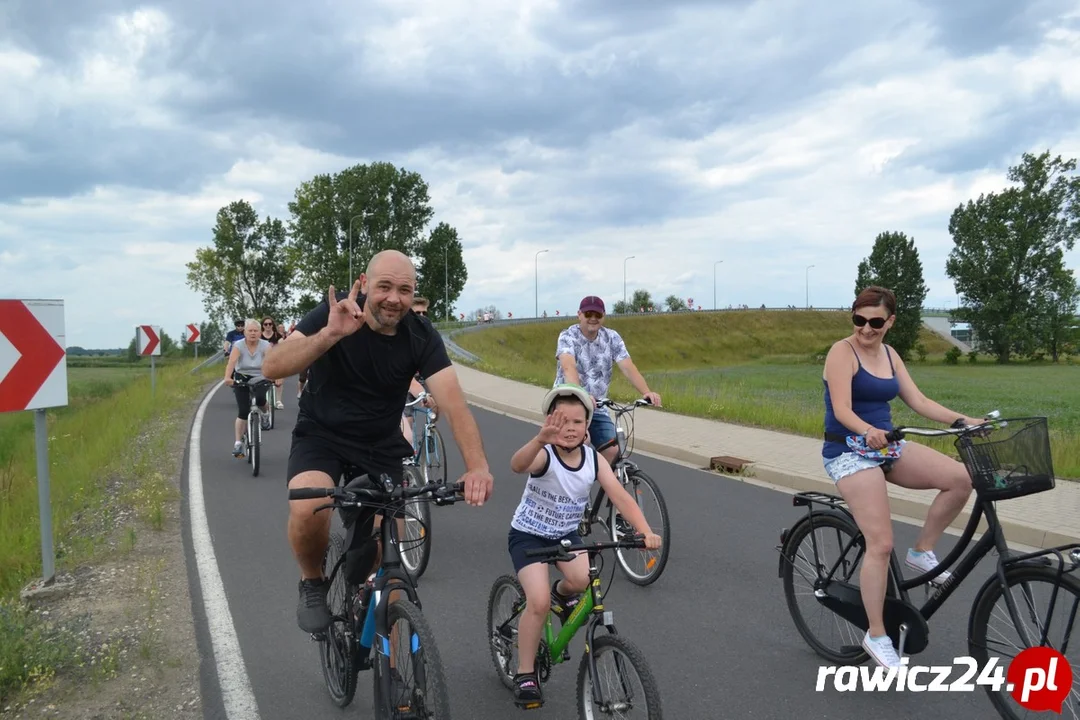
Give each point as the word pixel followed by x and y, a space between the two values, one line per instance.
pixel 506 602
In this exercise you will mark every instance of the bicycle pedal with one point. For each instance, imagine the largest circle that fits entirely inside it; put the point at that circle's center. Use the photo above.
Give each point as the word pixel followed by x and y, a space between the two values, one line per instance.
pixel 529 704
pixel 318 637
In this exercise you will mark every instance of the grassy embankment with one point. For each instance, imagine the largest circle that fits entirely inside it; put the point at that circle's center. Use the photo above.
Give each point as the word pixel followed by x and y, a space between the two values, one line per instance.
pixel 764 369
pixel 99 438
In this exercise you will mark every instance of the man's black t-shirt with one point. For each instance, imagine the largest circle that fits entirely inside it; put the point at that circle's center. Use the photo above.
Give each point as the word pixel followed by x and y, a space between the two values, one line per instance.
pixel 356 390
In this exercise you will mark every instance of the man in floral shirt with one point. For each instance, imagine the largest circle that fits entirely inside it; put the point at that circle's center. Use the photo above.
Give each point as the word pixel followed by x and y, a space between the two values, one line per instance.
pixel 586 355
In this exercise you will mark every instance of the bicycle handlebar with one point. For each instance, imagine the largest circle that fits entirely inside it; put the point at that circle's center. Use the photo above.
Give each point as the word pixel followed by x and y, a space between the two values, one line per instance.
pixel 609 403
pixel 992 421
pixel 562 552
pixel 419 399
pixel 443 494
pixel 243 379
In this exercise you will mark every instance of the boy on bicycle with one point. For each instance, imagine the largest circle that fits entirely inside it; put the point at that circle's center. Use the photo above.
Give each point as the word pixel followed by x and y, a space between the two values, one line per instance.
pixel 562 469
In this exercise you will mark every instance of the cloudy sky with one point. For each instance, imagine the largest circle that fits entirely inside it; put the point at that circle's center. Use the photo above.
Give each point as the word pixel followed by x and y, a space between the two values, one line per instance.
pixel 769 135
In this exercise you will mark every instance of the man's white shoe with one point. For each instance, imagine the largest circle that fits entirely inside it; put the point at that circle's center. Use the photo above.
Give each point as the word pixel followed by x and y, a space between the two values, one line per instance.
pixel 881 650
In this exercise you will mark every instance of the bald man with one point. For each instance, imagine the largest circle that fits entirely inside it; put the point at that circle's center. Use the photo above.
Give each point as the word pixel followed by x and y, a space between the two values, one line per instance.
pixel 363 347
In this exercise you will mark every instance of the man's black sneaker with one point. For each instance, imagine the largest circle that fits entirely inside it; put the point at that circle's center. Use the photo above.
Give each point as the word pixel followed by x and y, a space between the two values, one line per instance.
pixel 313 614
pixel 527 691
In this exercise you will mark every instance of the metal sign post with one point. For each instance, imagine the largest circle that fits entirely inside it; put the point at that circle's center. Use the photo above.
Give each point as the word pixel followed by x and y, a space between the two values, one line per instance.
pixel 32 360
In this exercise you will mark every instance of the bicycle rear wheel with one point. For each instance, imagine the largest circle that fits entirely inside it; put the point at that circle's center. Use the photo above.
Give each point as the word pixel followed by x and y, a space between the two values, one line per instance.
pixel 839 641
pixel 417 682
pixel 992 629
pixel 337 649
pixel 642 567
pixel 618 661
pixel 415 546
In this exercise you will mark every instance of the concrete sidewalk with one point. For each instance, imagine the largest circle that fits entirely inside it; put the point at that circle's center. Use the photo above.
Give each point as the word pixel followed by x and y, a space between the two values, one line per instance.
pixel 792 461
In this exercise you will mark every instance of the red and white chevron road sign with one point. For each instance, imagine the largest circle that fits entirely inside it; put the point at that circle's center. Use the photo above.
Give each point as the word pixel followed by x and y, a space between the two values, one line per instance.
pixel 33 373
pixel 148 339
pixel 193 329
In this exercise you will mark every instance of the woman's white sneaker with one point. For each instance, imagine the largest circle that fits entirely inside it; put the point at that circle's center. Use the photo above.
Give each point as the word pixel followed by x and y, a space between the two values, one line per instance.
pixel 924 562
pixel 881 650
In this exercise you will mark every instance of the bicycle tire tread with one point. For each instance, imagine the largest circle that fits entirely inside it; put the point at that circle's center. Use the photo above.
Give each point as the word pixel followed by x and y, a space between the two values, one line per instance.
pixel 637 660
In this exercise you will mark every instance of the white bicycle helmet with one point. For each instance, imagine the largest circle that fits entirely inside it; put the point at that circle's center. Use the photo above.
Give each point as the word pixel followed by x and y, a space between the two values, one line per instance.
pixel 568 390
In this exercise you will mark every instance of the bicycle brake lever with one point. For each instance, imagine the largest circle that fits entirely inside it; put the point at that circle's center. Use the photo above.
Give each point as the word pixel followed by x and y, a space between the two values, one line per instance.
pixel 328 506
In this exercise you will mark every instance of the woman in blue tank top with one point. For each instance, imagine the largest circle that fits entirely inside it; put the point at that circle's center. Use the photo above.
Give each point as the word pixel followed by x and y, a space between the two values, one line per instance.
pixel 862 375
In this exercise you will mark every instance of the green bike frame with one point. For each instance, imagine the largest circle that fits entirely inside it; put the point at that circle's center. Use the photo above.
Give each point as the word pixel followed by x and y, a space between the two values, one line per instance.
pixel 558 644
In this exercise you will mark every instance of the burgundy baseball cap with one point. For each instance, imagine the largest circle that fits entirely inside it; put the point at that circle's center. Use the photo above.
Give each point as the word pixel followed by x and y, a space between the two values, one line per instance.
pixel 592 303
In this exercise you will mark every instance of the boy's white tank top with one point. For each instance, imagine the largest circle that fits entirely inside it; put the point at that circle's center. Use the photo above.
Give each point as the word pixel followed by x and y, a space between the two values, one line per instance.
pixel 553 501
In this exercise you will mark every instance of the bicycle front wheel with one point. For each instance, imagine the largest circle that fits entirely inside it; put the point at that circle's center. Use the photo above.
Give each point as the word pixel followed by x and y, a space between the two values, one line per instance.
pixel 255 424
pixel 625 684
pixel 415 546
pixel 417 684
pixel 433 457
pixel 642 567
pixel 994 633
pixel 338 645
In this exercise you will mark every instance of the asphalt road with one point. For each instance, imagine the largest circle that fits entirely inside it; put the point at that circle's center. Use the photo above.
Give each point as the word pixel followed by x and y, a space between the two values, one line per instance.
pixel 715 627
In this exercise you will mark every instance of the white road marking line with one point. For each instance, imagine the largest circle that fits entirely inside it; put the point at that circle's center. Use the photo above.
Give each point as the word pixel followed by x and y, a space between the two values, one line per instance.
pixel 236 692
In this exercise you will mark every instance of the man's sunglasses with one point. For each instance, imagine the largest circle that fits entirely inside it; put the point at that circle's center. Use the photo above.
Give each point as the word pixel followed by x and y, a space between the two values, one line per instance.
pixel 421 312
pixel 876 323
pixel 593 315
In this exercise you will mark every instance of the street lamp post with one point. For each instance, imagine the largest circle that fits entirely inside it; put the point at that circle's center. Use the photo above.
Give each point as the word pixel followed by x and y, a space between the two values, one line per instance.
pixel 536 283
pixel 808 286
pixel 624 280
pixel 446 283
pixel 718 262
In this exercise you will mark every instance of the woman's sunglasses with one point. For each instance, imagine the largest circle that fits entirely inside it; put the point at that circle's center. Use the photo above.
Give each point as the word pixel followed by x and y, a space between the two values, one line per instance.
pixel 876 323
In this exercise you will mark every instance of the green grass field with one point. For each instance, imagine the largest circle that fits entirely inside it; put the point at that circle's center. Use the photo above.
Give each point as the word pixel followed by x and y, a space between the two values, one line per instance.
pixel 108 408
pixel 763 369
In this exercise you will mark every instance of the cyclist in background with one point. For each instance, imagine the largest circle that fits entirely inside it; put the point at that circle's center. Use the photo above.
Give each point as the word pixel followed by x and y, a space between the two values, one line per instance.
pixel 585 355
pixel 561 469
pixel 408 415
pixel 237 333
pixel 247 357
pixel 862 374
pixel 273 335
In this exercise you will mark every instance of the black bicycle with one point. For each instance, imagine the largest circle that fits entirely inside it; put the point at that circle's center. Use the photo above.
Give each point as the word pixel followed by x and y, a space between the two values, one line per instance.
pixel 252 438
pixel 1006 459
pixel 601 691
pixel 641 567
pixel 366 630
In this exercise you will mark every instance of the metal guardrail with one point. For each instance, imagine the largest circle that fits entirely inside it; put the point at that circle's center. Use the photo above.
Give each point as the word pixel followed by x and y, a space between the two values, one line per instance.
pixel 215 358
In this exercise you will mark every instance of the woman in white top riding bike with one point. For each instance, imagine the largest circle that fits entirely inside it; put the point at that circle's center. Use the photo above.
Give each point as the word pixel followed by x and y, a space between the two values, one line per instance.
pixel 247 358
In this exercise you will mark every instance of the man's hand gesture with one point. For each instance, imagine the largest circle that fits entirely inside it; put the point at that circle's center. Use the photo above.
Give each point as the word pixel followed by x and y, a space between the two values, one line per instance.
pixel 346 317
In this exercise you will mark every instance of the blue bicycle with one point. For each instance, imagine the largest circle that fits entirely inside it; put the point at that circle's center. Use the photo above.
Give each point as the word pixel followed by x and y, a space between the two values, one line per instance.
pixel 429 460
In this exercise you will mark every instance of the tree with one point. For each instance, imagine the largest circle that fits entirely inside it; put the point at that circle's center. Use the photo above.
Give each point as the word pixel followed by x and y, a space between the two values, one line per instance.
pixel 894 263
pixel 441 270
pixel 675 303
pixel 1058 322
pixel 1008 254
pixel 377 207
pixel 245 273
pixel 641 301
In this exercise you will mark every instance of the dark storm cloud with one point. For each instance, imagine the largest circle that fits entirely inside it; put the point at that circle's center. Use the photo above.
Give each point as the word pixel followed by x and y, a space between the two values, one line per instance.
pixel 296 71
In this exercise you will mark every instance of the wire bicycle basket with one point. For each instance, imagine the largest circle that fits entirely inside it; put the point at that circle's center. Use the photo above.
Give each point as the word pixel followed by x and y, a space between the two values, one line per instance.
pixel 1011 460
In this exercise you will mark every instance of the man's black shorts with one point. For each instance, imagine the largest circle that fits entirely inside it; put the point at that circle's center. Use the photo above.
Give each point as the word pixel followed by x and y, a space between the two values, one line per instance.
pixel 315 449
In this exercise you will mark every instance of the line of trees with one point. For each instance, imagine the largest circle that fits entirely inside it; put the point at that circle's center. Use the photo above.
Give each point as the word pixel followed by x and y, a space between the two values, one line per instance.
pixel 265 266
